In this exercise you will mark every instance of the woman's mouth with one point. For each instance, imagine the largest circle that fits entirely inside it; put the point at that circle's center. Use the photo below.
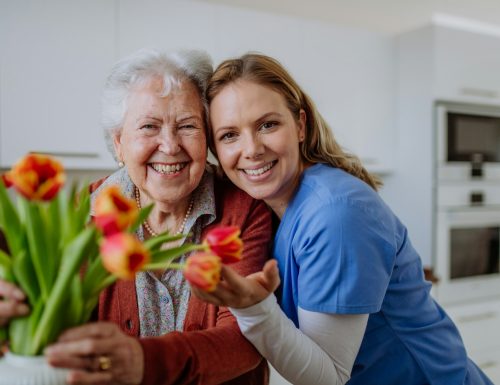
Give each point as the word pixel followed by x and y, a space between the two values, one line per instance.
pixel 168 169
pixel 259 171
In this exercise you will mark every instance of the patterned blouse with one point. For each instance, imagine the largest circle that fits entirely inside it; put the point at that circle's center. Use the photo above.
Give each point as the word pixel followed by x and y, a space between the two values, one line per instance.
pixel 163 301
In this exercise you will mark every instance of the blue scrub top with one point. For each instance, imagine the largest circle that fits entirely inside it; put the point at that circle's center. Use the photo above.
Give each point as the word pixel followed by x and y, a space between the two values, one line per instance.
pixel 340 249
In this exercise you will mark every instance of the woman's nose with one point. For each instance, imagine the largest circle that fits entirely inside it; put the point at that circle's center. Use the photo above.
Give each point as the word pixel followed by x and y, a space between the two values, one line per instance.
pixel 252 147
pixel 169 142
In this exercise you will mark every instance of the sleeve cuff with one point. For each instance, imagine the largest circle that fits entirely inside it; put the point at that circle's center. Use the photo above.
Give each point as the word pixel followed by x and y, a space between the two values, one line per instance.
pixel 263 307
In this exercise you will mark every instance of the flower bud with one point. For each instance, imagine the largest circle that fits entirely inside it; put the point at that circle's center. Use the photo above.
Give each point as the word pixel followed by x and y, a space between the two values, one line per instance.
pixel 123 255
pixel 114 212
pixel 202 270
pixel 36 177
pixel 225 241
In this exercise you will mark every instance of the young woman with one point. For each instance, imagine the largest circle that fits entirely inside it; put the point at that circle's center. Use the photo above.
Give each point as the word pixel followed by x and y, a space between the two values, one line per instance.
pixel 354 303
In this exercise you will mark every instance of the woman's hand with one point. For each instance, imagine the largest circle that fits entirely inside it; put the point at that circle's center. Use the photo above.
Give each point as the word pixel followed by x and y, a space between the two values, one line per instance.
pixel 98 353
pixel 240 292
pixel 11 302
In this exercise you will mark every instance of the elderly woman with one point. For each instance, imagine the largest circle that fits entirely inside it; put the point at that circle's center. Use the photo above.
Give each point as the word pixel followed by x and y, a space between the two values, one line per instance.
pixel 155 120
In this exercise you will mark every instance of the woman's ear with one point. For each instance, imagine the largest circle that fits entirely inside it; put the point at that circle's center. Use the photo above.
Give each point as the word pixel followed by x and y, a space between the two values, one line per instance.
pixel 117 144
pixel 302 125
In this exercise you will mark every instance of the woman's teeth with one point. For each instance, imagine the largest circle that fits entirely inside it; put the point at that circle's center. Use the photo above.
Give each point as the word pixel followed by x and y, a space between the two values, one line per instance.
pixel 259 171
pixel 168 168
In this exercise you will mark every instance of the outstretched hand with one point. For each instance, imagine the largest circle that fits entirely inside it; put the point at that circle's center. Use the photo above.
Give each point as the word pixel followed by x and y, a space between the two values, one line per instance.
pixel 240 292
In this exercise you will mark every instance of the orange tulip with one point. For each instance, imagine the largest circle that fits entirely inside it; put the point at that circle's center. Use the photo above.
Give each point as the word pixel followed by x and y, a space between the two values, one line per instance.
pixel 202 270
pixel 225 241
pixel 123 255
pixel 37 177
pixel 113 211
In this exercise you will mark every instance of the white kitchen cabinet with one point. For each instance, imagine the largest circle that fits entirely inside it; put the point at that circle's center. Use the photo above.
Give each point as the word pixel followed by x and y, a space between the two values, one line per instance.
pixel 54 56
pixel 466 65
pixel 478 324
pixel 433 63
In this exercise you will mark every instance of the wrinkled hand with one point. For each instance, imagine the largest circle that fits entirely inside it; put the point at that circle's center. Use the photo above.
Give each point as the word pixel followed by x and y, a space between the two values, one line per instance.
pixel 11 302
pixel 240 292
pixel 80 349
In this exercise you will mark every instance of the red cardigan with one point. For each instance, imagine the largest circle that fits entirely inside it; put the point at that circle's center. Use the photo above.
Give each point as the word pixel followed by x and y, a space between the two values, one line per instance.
pixel 211 349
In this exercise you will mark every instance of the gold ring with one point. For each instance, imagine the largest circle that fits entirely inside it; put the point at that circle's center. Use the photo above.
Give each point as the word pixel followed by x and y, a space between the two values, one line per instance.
pixel 104 363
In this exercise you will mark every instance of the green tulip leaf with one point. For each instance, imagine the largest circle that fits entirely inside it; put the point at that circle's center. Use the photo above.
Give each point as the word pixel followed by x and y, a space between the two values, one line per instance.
pixel 10 223
pixel 73 256
pixel 143 214
pixel 43 264
pixel 6 266
pixel 25 275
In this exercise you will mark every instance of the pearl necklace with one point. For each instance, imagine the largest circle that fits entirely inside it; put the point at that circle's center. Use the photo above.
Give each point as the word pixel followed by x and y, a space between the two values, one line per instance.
pixel 146 225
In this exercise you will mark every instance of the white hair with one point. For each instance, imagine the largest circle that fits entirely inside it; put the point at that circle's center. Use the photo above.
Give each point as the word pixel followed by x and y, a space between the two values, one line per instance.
pixel 174 68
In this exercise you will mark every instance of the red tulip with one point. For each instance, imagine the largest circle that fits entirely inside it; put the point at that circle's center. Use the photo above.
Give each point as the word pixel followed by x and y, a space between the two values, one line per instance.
pixel 123 255
pixel 113 211
pixel 202 270
pixel 37 177
pixel 225 241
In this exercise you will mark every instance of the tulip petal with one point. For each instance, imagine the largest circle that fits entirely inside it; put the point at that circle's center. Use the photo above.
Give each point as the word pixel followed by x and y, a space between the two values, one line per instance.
pixel 123 255
pixel 37 177
pixel 225 242
pixel 113 211
pixel 202 270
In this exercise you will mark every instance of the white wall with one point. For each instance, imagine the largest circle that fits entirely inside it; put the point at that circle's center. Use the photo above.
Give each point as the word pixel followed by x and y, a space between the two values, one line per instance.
pixel 56 54
pixel 348 72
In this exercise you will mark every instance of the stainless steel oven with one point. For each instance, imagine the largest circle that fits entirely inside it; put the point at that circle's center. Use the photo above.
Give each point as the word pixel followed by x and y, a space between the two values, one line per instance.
pixel 468 241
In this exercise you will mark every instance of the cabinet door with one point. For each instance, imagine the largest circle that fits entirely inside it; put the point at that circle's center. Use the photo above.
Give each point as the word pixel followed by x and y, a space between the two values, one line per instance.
pixel 489 362
pixel 55 55
pixel 467 66
pixel 478 325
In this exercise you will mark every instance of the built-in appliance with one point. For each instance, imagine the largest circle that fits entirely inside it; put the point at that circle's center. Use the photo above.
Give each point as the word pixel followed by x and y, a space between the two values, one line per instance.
pixel 467 253
pixel 468 142
pixel 467 202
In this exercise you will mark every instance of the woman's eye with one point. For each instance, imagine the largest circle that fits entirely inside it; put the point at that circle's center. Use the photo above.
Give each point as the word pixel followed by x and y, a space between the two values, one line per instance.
pixel 268 125
pixel 227 136
pixel 187 127
pixel 148 127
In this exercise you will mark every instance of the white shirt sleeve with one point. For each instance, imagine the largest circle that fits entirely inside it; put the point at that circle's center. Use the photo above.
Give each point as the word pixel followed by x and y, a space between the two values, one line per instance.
pixel 322 352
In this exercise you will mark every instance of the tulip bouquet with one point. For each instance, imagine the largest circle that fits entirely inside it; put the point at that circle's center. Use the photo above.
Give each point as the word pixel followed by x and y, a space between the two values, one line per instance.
pixel 62 260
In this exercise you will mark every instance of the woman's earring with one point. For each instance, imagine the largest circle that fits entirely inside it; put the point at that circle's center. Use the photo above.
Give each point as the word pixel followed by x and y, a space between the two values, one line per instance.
pixel 121 164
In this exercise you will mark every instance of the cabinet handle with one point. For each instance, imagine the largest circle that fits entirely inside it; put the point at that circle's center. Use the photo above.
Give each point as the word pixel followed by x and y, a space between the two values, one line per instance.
pixel 484 93
pixel 477 317
pixel 488 364
pixel 68 154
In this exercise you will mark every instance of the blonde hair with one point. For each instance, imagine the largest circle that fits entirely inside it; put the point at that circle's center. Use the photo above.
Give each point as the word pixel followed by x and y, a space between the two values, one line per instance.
pixel 319 145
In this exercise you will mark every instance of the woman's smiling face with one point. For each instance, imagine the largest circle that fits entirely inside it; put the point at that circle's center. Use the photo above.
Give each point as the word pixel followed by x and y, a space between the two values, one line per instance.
pixel 162 141
pixel 257 140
